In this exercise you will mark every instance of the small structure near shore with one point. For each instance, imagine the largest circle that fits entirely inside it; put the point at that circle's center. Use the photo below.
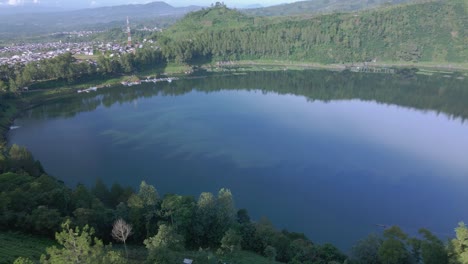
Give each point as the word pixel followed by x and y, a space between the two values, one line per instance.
pixel 371 69
pixel 90 89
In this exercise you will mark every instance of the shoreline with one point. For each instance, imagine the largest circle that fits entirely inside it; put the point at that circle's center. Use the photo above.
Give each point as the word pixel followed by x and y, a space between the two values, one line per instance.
pixel 291 65
pixel 37 97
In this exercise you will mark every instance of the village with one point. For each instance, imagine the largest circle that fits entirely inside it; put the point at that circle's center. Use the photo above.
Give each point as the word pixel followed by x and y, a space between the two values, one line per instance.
pixel 26 53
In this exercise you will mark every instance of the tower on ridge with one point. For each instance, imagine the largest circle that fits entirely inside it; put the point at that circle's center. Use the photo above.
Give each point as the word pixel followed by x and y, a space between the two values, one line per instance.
pixel 129 40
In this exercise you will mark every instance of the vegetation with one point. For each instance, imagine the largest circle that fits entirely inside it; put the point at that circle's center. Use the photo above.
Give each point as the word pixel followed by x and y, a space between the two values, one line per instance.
pixel 432 31
pixel 323 6
pixel 153 14
pixel 427 32
pixel 14 245
pixel 174 226
pixel 211 228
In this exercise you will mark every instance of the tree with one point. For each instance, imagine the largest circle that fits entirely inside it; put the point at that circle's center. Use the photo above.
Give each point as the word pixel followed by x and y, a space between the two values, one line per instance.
pixel 101 192
pixel 459 245
pixel 161 247
pixel 366 251
pixel 143 211
pixel 44 221
pixel 270 253
pixel 166 238
pixel 79 246
pixel 179 211
pixel 121 231
pixel 205 220
pixel 432 249
pixel 231 241
pixel 394 248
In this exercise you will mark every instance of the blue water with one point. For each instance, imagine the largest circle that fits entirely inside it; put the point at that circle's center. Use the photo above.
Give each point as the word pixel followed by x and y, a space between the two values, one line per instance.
pixel 332 170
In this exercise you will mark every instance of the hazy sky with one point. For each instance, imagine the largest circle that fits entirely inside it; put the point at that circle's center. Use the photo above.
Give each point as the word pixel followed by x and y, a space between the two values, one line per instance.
pixel 94 3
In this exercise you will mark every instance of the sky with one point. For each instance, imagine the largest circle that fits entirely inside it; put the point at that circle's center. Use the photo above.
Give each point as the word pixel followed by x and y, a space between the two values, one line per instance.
pixel 96 3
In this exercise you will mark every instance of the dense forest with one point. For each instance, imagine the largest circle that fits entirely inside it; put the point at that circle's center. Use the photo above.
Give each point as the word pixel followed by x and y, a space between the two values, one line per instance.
pixel 433 31
pixel 323 6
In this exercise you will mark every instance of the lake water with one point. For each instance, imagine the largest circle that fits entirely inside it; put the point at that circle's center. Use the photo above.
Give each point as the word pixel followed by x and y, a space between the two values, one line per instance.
pixel 325 153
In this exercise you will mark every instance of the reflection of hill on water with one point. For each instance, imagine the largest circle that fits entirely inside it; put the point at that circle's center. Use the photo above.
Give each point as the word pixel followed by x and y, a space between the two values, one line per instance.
pixel 433 93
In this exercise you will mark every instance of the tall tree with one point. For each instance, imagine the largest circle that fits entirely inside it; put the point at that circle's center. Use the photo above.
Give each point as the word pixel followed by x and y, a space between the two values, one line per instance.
pixel 433 250
pixel 459 245
pixel 394 249
pixel 366 251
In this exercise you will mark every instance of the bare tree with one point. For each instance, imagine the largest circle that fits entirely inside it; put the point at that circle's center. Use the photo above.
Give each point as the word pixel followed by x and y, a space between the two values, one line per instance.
pixel 121 231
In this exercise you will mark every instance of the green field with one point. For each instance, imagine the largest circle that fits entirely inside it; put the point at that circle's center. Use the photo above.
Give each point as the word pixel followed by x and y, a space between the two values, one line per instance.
pixel 14 245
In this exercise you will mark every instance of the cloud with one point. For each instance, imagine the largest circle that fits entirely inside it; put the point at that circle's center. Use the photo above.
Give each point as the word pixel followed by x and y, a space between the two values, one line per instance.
pixel 15 2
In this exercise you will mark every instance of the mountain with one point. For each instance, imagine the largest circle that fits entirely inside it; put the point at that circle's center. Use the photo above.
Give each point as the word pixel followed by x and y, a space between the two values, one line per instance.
pixel 423 32
pixel 28 9
pixel 320 6
pixel 99 18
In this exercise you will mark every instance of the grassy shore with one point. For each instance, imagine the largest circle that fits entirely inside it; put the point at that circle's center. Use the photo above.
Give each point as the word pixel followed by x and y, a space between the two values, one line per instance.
pixel 298 65
pixel 14 245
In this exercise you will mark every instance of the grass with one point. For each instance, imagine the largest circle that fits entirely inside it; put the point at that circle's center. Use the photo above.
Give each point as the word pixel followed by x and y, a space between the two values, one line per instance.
pixel 136 254
pixel 246 257
pixel 85 57
pixel 238 257
pixel 259 64
pixel 14 245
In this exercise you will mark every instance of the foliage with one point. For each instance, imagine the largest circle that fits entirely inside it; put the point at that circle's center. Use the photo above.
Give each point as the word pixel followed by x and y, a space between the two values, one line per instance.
pixel 394 249
pixel 270 252
pixel 166 238
pixel 420 32
pixel 22 260
pixel 314 7
pixel 433 250
pixel 366 251
pixel 231 241
pixel 162 246
pixel 79 246
pixel 459 245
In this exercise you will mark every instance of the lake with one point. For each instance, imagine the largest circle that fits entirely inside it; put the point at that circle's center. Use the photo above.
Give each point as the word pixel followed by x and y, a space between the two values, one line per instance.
pixel 326 153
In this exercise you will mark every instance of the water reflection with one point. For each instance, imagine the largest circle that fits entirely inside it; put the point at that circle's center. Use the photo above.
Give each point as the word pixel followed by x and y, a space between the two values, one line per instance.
pixel 321 152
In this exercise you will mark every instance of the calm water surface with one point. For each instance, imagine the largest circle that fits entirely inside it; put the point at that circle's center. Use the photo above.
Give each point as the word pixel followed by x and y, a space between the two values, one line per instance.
pixel 327 154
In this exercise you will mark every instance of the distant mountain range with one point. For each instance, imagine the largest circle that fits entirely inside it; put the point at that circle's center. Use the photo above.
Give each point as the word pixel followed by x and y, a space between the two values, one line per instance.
pixel 102 17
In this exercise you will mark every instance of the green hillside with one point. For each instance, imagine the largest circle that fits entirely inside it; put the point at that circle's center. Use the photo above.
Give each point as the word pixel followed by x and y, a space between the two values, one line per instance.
pixel 425 32
pixel 218 17
pixel 320 6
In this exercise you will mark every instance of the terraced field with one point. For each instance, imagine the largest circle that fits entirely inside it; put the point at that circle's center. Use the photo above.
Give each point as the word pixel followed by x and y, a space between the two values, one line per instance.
pixel 14 245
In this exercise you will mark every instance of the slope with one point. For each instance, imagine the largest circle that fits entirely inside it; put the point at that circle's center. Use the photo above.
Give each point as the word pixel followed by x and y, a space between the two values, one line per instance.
pixel 429 32
pixel 320 6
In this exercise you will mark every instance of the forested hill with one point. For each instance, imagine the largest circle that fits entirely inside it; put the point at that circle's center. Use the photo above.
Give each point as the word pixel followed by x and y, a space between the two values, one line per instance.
pixel 320 6
pixel 430 32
